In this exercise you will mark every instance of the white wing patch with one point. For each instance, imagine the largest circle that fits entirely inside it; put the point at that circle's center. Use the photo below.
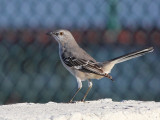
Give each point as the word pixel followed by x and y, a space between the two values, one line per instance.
pixel 78 67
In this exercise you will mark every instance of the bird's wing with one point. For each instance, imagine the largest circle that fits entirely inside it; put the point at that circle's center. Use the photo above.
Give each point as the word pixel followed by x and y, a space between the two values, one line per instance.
pixel 82 64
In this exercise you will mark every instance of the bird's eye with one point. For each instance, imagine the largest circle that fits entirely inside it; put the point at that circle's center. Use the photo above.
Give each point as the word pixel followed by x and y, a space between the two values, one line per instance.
pixel 61 33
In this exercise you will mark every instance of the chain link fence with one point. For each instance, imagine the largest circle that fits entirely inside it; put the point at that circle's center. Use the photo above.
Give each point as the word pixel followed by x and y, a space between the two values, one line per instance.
pixel 30 68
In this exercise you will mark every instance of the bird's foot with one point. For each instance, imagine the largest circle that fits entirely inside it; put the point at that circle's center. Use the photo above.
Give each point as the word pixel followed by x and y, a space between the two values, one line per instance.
pixel 75 101
pixel 82 100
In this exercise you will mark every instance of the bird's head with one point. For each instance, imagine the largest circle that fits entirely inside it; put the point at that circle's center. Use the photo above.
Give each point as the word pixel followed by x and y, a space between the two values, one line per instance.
pixel 61 36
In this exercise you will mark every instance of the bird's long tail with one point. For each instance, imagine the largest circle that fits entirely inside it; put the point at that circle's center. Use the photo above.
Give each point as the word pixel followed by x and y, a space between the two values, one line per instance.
pixel 132 55
pixel 108 65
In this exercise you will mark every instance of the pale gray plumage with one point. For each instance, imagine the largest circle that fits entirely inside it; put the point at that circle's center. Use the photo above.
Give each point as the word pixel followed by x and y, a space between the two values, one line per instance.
pixel 81 64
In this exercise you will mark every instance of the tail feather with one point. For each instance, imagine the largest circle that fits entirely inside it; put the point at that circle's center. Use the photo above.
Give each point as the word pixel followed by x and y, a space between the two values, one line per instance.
pixel 132 55
pixel 108 65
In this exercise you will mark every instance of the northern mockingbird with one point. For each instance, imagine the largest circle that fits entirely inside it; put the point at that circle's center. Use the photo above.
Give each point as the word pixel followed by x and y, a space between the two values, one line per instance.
pixel 81 64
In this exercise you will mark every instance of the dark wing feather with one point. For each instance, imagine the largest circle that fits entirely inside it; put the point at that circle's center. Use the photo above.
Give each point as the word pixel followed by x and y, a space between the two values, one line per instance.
pixel 82 65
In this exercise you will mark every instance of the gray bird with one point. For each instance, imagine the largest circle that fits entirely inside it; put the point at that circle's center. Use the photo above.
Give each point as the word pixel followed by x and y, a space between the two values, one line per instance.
pixel 81 64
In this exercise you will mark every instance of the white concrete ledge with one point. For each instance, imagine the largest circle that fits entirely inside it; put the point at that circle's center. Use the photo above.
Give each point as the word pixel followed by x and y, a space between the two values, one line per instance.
pixel 104 109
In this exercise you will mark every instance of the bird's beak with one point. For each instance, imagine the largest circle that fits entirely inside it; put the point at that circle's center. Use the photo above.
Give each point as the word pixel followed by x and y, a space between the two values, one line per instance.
pixel 49 33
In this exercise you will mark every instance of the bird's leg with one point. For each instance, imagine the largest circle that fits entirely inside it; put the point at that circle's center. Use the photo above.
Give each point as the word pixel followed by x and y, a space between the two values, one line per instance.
pixel 109 76
pixel 75 95
pixel 89 87
pixel 79 87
